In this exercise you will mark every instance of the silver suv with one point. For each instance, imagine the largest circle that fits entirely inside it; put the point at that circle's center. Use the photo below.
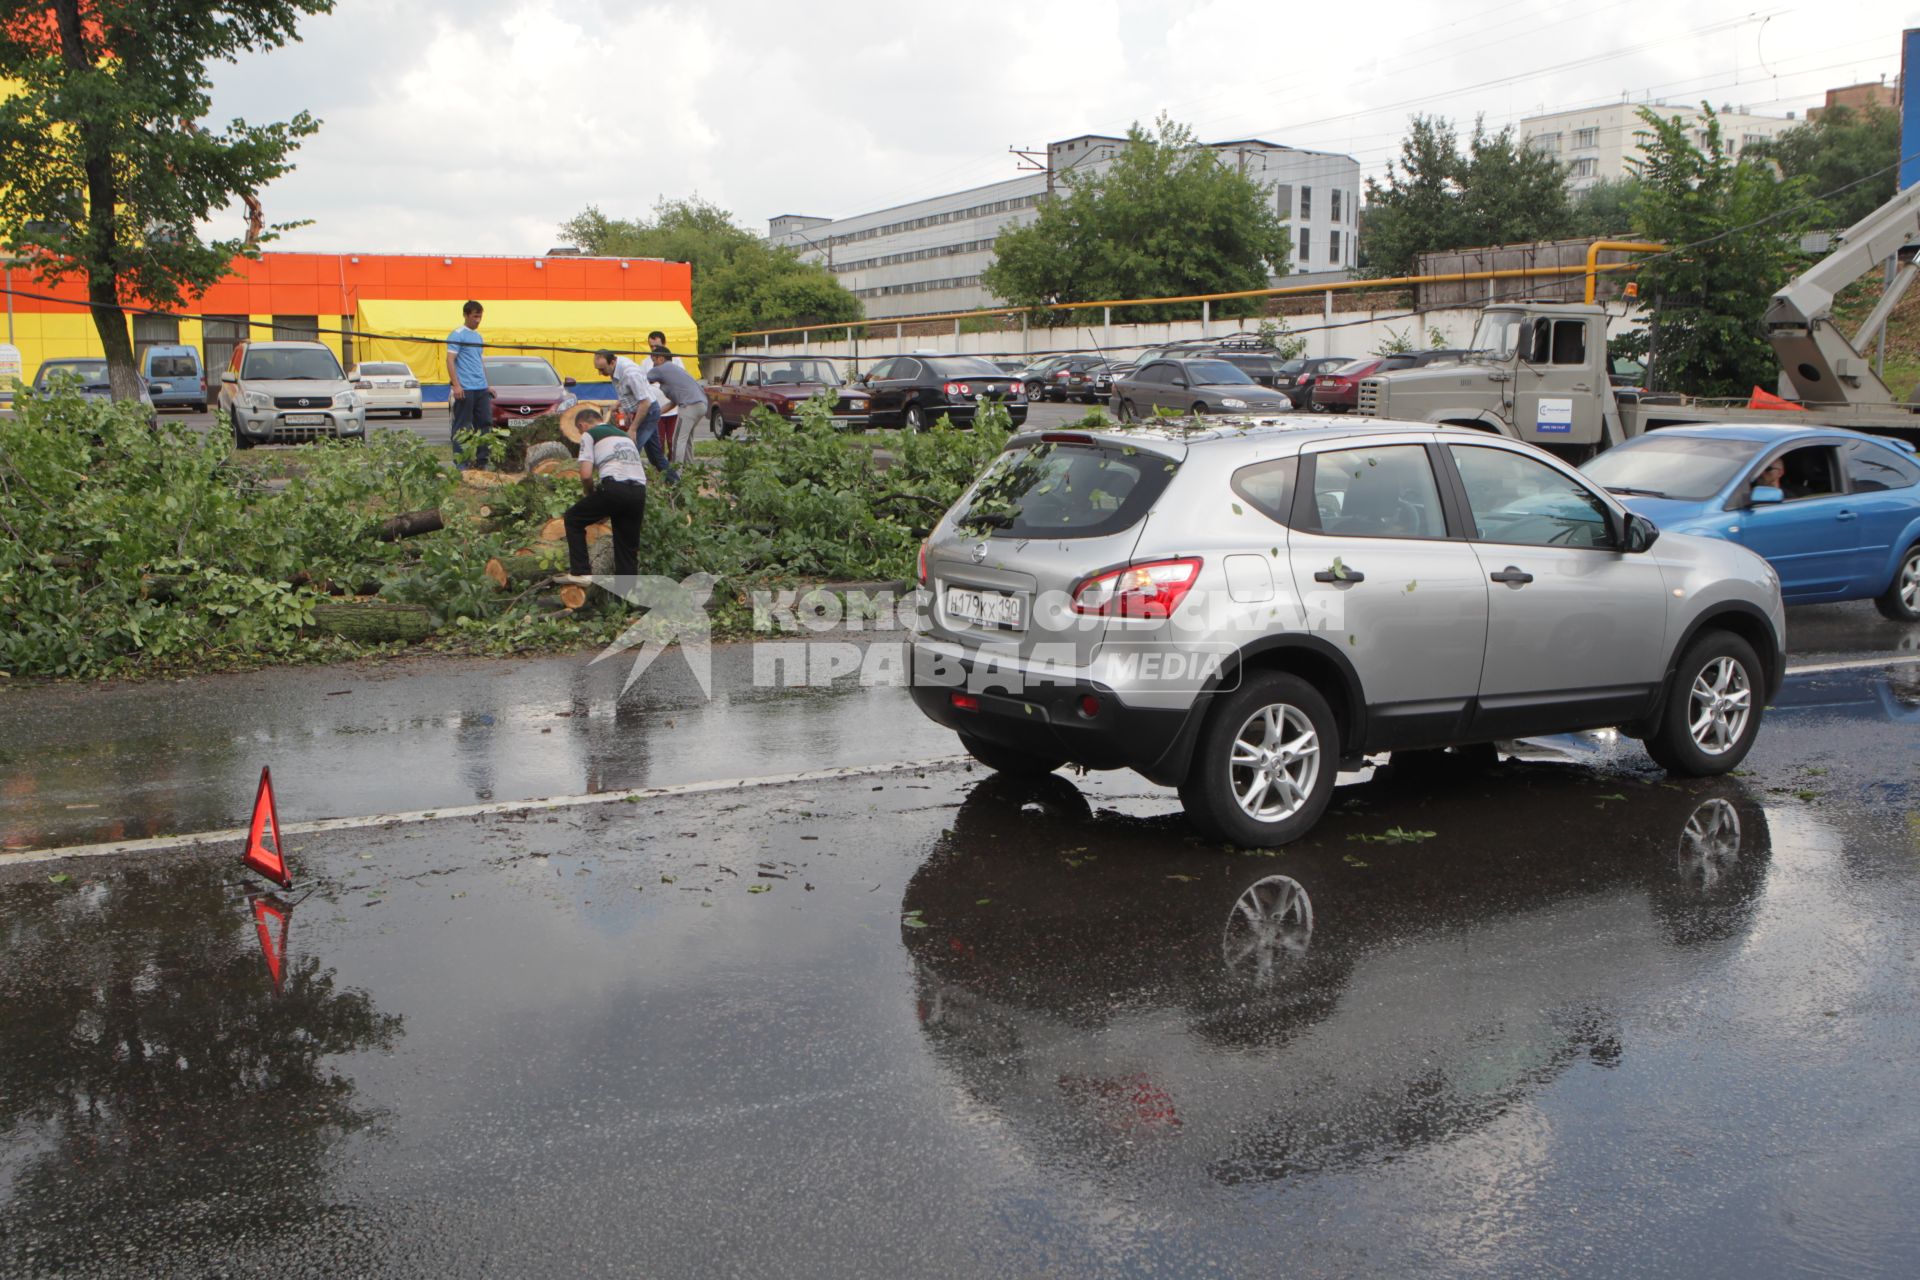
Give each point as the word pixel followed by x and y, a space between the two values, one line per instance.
pixel 285 392
pixel 1241 608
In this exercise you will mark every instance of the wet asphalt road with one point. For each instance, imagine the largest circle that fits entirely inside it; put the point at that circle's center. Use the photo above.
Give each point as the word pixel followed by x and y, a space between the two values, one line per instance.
pixel 1577 1019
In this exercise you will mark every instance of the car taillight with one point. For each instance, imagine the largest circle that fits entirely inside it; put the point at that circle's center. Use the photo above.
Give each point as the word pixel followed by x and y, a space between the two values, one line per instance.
pixel 1151 590
pixel 923 562
pixel 363 386
pixel 413 384
pixel 1060 376
pixel 958 389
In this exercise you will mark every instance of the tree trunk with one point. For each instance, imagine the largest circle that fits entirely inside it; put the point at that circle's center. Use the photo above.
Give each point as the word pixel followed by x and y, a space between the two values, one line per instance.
pixel 508 570
pixel 103 199
pixel 374 622
pixel 409 524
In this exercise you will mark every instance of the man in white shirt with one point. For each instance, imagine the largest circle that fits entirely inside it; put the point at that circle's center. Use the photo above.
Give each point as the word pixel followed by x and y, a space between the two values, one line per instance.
pixel 641 405
pixel 613 482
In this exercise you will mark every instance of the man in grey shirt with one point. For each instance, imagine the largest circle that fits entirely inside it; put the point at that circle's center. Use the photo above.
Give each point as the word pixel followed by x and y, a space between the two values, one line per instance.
pixel 640 404
pixel 686 395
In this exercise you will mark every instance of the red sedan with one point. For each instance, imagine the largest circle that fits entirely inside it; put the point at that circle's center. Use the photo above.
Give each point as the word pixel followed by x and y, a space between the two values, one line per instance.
pixel 524 388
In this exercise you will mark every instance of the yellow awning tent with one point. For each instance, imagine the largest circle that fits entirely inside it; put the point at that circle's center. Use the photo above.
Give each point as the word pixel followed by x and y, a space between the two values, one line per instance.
pixel 567 333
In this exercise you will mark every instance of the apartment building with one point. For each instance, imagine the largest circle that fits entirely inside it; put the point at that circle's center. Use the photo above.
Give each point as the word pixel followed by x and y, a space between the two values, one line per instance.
pixel 1605 142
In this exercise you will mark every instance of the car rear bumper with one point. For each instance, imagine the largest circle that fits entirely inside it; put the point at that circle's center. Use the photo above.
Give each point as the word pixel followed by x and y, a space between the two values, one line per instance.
pixel 1049 718
pixel 384 401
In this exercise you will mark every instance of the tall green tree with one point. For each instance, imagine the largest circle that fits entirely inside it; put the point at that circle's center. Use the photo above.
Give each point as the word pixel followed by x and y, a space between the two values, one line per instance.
pixel 1850 158
pixel 740 281
pixel 1438 196
pixel 1167 218
pixel 1606 209
pixel 1734 231
pixel 106 172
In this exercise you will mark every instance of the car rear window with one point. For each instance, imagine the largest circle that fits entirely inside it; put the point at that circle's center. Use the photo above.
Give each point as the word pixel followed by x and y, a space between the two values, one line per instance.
pixel 386 370
pixel 173 367
pixel 1352 368
pixel 1059 489
pixel 963 367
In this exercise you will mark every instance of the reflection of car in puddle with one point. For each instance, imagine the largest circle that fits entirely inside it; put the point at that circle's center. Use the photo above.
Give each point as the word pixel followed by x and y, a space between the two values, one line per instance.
pixel 1124 999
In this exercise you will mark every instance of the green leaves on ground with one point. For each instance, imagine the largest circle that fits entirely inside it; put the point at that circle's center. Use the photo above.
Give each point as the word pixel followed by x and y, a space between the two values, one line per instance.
pixel 1393 835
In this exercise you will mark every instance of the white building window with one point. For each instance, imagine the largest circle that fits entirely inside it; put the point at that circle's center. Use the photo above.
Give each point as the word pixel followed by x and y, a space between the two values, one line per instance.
pixel 1584 168
pixel 1306 203
pixel 1306 245
pixel 1333 250
pixel 1547 142
pixel 1586 138
pixel 1336 211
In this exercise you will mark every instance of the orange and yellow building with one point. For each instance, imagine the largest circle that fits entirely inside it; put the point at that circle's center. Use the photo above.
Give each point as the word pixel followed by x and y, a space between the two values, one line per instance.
pixel 373 306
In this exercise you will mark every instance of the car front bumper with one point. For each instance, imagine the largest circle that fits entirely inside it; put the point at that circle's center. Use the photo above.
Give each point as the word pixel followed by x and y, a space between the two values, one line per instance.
pixel 272 425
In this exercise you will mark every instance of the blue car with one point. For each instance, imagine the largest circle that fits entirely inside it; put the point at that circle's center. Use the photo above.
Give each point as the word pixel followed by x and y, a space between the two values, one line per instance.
pixel 1835 512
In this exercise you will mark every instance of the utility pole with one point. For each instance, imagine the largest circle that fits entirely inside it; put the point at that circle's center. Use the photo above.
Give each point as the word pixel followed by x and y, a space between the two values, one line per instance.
pixel 1034 161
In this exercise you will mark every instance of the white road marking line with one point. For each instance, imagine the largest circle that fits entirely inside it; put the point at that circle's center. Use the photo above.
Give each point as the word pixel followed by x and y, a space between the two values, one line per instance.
pixel 1852 664
pixel 11 857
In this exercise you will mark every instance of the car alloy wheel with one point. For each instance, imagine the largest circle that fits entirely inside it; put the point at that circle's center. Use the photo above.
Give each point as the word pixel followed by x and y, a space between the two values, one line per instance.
pixel 1269 929
pixel 1126 411
pixel 1276 761
pixel 1710 845
pixel 1719 706
pixel 916 418
pixel 1902 599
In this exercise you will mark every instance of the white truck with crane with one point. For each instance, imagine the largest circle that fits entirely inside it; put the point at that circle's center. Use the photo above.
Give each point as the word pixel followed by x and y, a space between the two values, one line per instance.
pixel 1539 370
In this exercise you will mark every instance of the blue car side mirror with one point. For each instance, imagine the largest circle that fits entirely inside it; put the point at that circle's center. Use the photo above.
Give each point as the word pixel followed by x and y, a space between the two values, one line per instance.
pixel 1765 495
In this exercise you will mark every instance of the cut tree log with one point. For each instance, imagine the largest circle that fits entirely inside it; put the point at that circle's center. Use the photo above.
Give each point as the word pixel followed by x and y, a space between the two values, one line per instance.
pixel 507 570
pixel 566 598
pixel 567 419
pixel 374 621
pixel 409 525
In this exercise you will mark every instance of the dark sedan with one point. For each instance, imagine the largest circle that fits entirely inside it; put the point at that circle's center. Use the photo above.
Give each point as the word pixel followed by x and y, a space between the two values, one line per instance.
pixel 1296 376
pixel 913 391
pixel 1192 387
pixel 1085 378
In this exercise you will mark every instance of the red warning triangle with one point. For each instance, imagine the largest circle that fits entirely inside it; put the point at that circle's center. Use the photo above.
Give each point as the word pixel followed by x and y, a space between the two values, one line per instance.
pixel 1767 400
pixel 266 858
pixel 267 912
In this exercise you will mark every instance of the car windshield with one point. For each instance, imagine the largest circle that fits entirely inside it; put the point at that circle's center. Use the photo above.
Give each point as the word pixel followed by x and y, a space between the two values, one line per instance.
pixel 1353 368
pixel 1670 466
pixel 378 370
pixel 795 372
pixel 1065 490
pixel 521 373
pixel 84 370
pixel 1498 334
pixel 1213 373
pixel 1292 366
pixel 963 367
pixel 291 364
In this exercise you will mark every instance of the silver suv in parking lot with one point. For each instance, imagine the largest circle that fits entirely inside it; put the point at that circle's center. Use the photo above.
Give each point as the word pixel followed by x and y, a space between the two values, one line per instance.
pixel 286 392
pixel 1239 608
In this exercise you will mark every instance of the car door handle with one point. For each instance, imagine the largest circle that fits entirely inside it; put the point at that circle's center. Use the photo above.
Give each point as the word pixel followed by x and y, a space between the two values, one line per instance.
pixel 1512 576
pixel 1844 515
pixel 1345 575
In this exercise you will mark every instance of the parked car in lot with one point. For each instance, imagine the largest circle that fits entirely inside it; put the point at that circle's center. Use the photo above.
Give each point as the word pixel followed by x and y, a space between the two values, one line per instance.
pixel 175 378
pixel 1836 513
pixel 89 374
pixel 1033 377
pixel 1192 386
pixel 913 391
pixel 782 384
pixel 1337 390
pixel 1305 594
pixel 387 386
pixel 287 392
pixel 524 388
pixel 1083 378
pixel 1295 377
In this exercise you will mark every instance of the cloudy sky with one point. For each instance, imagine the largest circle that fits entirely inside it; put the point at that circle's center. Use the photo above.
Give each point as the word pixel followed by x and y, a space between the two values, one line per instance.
pixel 481 126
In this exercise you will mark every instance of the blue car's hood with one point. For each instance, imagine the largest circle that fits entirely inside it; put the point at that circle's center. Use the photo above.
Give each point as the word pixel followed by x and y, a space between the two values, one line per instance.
pixel 1668 513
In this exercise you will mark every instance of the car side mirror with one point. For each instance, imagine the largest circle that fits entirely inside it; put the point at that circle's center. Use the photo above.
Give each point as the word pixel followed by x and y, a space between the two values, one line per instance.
pixel 569 382
pixel 1765 495
pixel 228 376
pixel 1641 534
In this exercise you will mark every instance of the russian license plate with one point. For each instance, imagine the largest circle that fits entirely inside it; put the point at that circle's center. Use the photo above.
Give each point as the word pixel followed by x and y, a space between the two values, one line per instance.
pixel 520 422
pixel 985 608
pixel 306 419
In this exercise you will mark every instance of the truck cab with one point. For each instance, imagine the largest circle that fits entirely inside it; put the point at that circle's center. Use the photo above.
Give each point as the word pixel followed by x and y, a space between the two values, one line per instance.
pixel 1537 371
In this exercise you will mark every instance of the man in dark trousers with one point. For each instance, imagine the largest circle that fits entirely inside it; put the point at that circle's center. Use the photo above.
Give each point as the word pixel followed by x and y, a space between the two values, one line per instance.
pixel 614 483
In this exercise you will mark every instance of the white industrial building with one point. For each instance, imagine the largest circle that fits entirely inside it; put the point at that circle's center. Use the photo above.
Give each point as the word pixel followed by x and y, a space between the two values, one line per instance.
pixel 927 257
pixel 1606 142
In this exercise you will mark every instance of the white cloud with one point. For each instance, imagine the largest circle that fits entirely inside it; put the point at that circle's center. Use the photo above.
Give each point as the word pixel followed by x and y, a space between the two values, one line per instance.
pixel 483 127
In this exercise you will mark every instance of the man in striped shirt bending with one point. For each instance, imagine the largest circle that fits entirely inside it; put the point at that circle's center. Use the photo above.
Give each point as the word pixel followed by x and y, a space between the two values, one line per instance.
pixel 614 481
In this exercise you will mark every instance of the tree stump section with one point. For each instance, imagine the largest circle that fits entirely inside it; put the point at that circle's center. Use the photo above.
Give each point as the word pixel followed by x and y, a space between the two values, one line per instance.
pixel 506 571
pixel 409 525
pixel 374 622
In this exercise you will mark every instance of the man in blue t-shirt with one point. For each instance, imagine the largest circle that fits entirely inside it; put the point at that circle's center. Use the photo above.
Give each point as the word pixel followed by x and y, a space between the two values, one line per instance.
pixel 470 398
